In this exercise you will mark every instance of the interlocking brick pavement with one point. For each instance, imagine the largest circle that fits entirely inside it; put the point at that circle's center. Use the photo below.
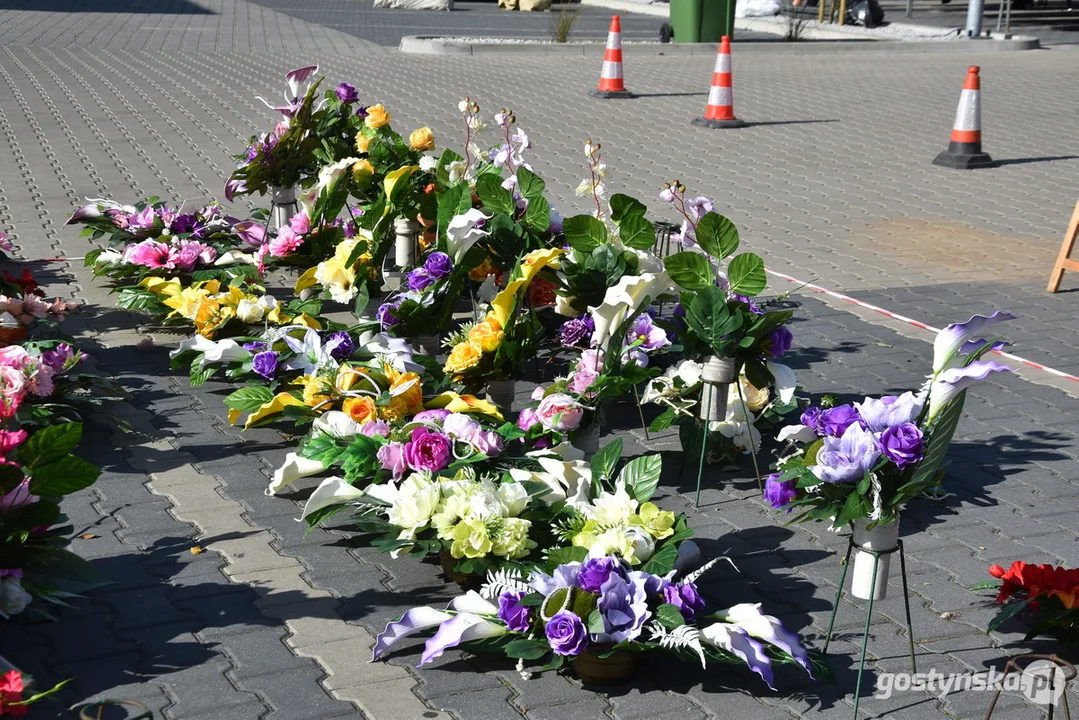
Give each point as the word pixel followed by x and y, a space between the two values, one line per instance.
pixel 832 183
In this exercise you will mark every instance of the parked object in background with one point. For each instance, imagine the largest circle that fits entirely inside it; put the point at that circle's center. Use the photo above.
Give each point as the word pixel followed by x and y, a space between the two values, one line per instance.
pixel 415 4
pixel 1064 261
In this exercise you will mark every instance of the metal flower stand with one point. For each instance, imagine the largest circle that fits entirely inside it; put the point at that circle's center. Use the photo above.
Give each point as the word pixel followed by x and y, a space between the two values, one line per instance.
pixel 869 609
pixel 1064 670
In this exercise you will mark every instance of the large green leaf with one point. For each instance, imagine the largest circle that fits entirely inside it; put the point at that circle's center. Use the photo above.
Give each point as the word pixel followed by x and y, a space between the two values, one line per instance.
pixel 605 461
pixel 670 616
pixel 623 206
pixel 746 275
pixel 709 319
pixel 538 214
pixel 584 232
pixel 62 477
pixel 250 398
pixel 49 444
pixel 530 183
pixel 495 197
pixel 637 232
pixel 526 649
pixel 690 270
pixel 641 476
pixel 717 235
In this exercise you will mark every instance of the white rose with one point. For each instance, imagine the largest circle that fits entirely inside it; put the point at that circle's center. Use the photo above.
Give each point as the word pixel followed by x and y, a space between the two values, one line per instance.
pixel 643 544
pixel 249 311
pixel 485 504
pixel 428 163
pixel 415 504
pixel 13 597
pixel 514 498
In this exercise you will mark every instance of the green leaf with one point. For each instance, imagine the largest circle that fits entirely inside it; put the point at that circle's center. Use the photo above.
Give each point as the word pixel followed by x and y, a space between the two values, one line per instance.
pixel 530 184
pixel 495 198
pixel 554 663
pixel 746 274
pixel 584 232
pixel 595 622
pixel 49 444
pixel 199 375
pixel 449 205
pixel 670 616
pixel 526 649
pixel 62 477
pixel 691 270
pixel 641 475
pixel 1007 613
pixel 562 556
pixel 538 214
pixel 363 296
pixel 623 206
pixel 637 232
pixel 664 420
pixel 64 571
pixel 606 460
pixel 854 507
pixel 717 235
pixel 940 437
pixel 250 398
pixel 708 318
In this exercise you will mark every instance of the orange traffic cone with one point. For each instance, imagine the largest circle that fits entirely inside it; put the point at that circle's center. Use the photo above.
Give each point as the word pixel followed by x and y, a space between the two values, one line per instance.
pixel 720 110
pixel 611 84
pixel 965 149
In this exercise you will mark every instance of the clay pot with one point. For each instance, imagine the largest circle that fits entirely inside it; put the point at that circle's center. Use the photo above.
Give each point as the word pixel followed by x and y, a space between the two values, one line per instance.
pixel 614 669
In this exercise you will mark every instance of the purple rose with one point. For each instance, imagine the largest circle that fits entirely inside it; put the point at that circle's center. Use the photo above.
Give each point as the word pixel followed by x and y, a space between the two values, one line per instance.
pixel 371 428
pixel 340 345
pixel 347 93
pixel 811 419
pixel 438 265
pixel 779 493
pixel 419 280
pixel 385 316
pixel 527 419
pixel 265 364
pixel 574 332
pixel 511 612
pixel 255 347
pixel 903 444
pixel 848 458
pixel 777 343
pixel 392 457
pixel 624 606
pixel 567 634
pixel 595 571
pixel 489 443
pixel 428 450
pixel 835 421
pixel 684 597
pixel 431 416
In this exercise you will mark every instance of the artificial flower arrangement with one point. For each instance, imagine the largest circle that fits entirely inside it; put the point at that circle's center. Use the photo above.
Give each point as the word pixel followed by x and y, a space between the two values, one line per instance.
pixel 1049 593
pixel 867 460
pixel 496 347
pixel 595 613
pixel 13 684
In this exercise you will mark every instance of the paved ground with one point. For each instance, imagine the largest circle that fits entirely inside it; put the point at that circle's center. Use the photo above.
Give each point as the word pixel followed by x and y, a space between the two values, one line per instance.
pixel 831 182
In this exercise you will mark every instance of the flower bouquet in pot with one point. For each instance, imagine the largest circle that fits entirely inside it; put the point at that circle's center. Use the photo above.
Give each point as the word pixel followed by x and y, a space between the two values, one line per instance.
pixel 860 464
pixel 597 616
pixel 1047 594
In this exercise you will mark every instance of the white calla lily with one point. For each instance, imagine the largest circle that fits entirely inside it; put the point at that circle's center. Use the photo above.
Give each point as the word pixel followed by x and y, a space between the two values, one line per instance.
pixel 463 231
pixel 214 351
pixel 332 491
pixel 785 383
pixel 294 468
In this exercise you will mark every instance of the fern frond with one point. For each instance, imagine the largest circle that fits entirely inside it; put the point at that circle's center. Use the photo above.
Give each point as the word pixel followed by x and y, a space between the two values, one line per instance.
pixel 502 581
pixel 693 576
pixel 681 638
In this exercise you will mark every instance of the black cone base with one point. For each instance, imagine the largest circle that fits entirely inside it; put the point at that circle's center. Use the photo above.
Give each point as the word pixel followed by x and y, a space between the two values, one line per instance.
pixel 612 94
pixel 963 156
pixel 714 124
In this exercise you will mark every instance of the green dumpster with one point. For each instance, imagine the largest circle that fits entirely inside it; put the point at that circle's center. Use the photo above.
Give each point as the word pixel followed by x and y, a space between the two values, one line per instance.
pixel 702 20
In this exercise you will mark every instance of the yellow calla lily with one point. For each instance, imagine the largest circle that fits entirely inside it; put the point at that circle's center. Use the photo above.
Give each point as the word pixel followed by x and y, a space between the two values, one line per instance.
pixel 307 279
pixel 277 405
pixel 392 178
pixel 506 301
pixel 305 319
pixel 162 286
pixel 463 404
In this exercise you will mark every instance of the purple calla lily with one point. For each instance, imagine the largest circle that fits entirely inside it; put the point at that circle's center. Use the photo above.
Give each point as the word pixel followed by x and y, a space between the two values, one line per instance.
pixel 748 617
pixel 86 212
pixel 737 641
pixel 298 77
pixel 949 343
pixel 413 621
pixel 464 627
pixel 953 381
pixel 234 188
pixel 251 232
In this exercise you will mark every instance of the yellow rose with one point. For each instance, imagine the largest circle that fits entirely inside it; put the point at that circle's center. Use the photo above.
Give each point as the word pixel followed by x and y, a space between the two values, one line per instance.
pixel 422 139
pixel 363 172
pixel 316 390
pixel 396 410
pixel 756 398
pixel 347 377
pixel 413 395
pixel 360 409
pixel 463 356
pixel 362 142
pixel 487 334
pixel 377 116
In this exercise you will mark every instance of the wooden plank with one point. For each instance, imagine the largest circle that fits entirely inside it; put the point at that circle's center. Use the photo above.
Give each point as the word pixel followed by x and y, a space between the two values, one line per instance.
pixel 1063 259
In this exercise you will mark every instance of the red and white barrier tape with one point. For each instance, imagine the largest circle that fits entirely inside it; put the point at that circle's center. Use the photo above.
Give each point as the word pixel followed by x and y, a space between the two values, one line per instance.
pixel 915 323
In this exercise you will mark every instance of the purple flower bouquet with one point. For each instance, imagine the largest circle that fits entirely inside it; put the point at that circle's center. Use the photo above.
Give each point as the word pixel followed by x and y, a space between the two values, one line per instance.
pixel 598 608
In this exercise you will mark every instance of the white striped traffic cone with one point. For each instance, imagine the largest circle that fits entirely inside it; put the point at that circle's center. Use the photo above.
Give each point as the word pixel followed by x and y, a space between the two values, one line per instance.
pixel 611 84
pixel 965 149
pixel 720 110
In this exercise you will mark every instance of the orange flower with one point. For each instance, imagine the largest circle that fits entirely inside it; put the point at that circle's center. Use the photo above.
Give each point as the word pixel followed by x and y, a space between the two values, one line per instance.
pixel 361 409
pixel 541 293
pixel 412 395
pixel 487 334
pixel 479 274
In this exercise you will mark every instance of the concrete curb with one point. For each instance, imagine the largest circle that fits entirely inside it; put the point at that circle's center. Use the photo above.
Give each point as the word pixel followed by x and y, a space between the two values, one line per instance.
pixel 419 45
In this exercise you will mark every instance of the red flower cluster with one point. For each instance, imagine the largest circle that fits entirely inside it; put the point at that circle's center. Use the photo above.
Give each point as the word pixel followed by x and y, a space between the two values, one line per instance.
pixel 1034 581
pixel 11 691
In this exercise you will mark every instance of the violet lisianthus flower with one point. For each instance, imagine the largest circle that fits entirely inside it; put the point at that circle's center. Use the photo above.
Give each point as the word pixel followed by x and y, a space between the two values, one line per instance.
pixel 385 315
pixel 527 419
pixel 428 450
pixel 488 442
pixel 596 571
pixel 624 606
pixel 684 597
pixel 835 421
pixel 59 357
pixel 373 428
pixel 903 444
pixel 265 364
pixel 847 459
pixel 650 336
pixel 780 493
pixel 438 265
pixel 753 307
pixel 513 613
pixel 811 418
pixel 142 220
pixel 346 93
pixel 419 280
pixel 255 347
pixel 339 345
pixel 567 634
pixel 577 331
pixel 778 342
pixel 460 426
pixel 879 415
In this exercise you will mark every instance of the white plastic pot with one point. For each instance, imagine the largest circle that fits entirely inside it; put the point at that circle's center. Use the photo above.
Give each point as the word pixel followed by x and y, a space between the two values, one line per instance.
pixel 405 245
pixel 716 374
pixel 881 538
pixel 284 205
pixel 501 393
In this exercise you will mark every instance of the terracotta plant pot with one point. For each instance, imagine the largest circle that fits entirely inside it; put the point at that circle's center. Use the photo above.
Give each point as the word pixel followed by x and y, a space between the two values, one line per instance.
pixel 449 565
pixel 615 669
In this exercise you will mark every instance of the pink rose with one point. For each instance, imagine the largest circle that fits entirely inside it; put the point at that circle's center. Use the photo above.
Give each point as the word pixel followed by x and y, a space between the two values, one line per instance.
pixel 527 419
pixel 300 223
pixel 428 450
pixel 489 443
pixel 581 381
pixel 192 252
pixel 16 357
pixel 460 426
pixel 12 390
pixel 392 457
pixel 559 412
pixel 371 428
pixel 287 242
